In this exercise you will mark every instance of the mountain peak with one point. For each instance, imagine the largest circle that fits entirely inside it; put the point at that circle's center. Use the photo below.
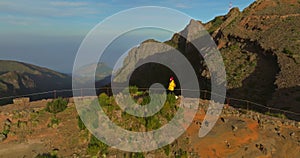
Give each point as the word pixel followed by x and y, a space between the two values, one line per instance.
pixel 233 12
pixel 192 30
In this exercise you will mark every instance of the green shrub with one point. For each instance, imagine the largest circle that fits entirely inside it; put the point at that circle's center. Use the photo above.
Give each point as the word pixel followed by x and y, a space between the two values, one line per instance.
pixel 234 47
pixel 137 155
pixel 57 105
pixel 216 22
pixel 133 90
pixel 46 155
pixel 276 115
pixel 287 51
pixel 96 147
pixel 146 100
pixel 104 99
pixel 171 98
pixel 181 154
pixel 53 121
pixel 5 132
pixel 167 149
pixel 152 123
pixel 80 123
pixel 168 111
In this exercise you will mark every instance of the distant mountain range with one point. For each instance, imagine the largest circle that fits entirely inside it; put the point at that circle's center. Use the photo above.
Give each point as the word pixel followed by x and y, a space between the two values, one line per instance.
pixel 18 78
pixel 85 72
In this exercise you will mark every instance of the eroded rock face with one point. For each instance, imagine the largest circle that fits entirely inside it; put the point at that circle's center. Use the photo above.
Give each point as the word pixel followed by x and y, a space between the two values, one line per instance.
pixel 141 52
pixel 271 26
pixel 192 31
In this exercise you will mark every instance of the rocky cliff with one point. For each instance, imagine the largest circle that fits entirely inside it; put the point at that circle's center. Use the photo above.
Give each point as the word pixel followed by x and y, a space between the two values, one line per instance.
pixel 260 48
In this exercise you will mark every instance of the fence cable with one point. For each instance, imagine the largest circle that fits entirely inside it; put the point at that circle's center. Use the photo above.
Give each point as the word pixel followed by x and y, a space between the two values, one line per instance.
pixel 120 88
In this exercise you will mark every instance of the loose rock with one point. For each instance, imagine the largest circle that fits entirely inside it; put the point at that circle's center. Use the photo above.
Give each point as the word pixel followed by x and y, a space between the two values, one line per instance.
pixel 2 137
pixel 234 128
pixel 223 119
pixel 7 122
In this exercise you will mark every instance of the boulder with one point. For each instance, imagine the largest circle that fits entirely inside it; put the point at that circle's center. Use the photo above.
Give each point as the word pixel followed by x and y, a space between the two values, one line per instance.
pixel 234 128
pixel 223 119
pixel 7 122
pixel 262 148
pixel 2 137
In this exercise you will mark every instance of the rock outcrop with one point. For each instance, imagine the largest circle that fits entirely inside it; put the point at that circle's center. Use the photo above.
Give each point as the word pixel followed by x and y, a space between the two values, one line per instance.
pixel 260 49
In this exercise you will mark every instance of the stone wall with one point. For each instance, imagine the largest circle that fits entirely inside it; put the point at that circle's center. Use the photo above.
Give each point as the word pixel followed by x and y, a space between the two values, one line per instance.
pixel 22 101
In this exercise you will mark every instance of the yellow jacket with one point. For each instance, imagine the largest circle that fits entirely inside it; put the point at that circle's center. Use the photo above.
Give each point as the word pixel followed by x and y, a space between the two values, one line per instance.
pixel 172 86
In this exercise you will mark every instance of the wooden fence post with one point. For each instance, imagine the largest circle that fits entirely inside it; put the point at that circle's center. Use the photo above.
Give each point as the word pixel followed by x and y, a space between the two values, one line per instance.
pixel 228 100
pixel 247 105
pixel 54 94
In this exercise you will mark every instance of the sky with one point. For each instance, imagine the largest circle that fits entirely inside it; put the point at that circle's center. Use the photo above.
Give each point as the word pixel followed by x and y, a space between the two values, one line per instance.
pixel 48 33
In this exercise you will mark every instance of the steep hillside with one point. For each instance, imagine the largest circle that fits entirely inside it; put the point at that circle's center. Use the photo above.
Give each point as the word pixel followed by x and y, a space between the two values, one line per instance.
pixel 260 48
pixel 18 78
pixel 265 39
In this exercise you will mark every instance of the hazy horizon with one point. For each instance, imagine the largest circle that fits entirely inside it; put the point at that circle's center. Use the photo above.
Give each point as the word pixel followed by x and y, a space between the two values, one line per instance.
pixel 48 33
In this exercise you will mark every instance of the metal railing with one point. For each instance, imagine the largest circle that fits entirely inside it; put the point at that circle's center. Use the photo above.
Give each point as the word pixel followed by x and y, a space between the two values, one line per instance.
pixel 238 103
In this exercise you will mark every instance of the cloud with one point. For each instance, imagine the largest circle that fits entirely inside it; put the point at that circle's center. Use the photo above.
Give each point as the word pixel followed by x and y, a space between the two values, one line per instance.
pixel 47 8
pixel 16 20
pixel 182 6
pixel 68 4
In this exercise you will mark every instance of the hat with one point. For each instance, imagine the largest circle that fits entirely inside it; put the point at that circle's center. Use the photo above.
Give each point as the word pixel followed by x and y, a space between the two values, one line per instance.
pixel 171 78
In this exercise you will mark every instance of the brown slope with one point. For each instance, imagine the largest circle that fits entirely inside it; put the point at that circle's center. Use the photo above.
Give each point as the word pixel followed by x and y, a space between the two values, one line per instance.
pixel 266 35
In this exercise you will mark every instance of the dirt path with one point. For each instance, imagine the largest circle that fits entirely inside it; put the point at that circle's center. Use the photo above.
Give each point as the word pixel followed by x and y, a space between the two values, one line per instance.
pixel 29 149
pixel 222 141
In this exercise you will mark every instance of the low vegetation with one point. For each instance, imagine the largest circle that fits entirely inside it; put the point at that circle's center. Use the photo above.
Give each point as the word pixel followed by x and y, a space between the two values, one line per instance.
pixel 54 122
pixel 291 54
pixel 57 105
pixel 46 155
pixel 96 147
pixel 127 121
pixel 216 22
pixel 239 65
pixel 130 122
pixel 279 115
pixel 81 125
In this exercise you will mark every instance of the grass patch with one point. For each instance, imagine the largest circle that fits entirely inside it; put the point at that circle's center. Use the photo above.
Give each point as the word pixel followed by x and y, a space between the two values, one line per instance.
pixel 54 122
pixel 80 124
pixel 96 147
pixel 47 155
pixel 167 149
pixel 57 105
pixel 130 122
pixel 279 115
pixel 216 23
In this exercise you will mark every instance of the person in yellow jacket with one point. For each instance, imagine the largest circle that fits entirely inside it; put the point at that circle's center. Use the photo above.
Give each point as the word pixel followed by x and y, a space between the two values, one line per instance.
pixel 172 85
